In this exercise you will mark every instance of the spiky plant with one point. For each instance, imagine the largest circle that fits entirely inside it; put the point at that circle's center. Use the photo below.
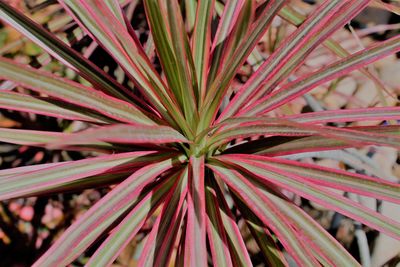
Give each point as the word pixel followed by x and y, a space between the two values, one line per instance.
pixel 180 146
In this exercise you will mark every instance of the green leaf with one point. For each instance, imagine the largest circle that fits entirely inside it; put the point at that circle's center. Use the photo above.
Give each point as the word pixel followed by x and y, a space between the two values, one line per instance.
pixel 125 231
pixel 84 231
pixel 72 92
pixel 56 177
pixel 266 212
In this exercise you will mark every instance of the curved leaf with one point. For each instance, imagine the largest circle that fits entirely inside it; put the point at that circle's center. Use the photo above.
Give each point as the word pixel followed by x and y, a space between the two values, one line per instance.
pixel 83 232
pixel 72 92
pixel 44 106
pixel 57 176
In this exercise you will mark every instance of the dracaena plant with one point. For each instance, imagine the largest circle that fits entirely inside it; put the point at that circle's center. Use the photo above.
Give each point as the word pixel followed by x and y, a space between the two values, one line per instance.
pixel 184 146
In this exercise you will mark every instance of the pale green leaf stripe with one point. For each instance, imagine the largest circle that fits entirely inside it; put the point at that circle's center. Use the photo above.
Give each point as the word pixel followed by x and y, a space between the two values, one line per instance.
pixel 201 42
pixel 27 137
pixel 219 86
pixel 216 232
pixel 59 49
pixel 300 41
pixel 239 253
pixel 322 196
pixel 63 174
pixel 128 52
pixel 185 59
pixel 20 102
pixel 242 132
pixel 311 143
pixel 329 246
pixel 125 231
pixel 121 133
pixel 164 47
pixel 160 251
pixel 221 37
pixel 83 232
pixel 332 71
pixel 263 237
pixel 71 92
pixel 261 206
pixel 375 188
pixel 195 242
pixel 190 8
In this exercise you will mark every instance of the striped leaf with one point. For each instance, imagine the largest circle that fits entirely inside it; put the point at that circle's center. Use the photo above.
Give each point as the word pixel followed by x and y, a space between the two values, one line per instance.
pixel 72 92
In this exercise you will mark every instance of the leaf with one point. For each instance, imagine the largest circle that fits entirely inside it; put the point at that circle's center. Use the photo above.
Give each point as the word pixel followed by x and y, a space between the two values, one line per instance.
pixel 174 54
pixel 324 20
pixel 216 231
pixel 56 176
pixel 63 52
pixel 44 106
pixel 84 231
pixel 357 114
pixel 266 212
pixel 267 175
pixel 102 25
pixel 161 240
pixel 126 230
pixel 313 233
pixel 304 84
pixel 332 178
pixel 237 247
pixel 219 87
pixel 72 92
pixel 195 242
pixel 268 247
pixel 29 137
pixel 233 26
pixel 201 43
pixel 294 17
pixel 120 133
pixel 272 126
pixel 280 145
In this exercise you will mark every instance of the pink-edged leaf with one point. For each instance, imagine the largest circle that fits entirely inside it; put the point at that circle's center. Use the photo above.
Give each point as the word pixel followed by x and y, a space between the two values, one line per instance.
pixel 29 137
pixel 160 242
pixel 296 18
pixel 102 24
pixel 234 24
pixel 126 230
pixel 83 232
pixel 195 243
pixel 201 43
pixel 24 169
pixel 272 253
pixel 180 251
pixel 63 52
pixel 54 177
pixel 324 20
pixel 217 90
pixel 122 133
pixel 266 211
pixel 216 231
pixel 342 180
pixel 71 92
pixel 312 232
pixel 281 145
pixel 247 127
pixel 44 106
pixel 237 247
pixel 174 52
pixel 267 174
pixel 304 84
pixel 345 115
